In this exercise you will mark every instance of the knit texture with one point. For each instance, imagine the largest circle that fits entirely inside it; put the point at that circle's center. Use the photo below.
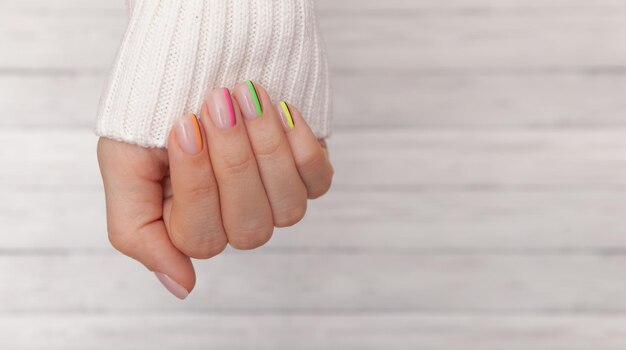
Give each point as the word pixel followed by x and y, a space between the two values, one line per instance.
pixel 175 51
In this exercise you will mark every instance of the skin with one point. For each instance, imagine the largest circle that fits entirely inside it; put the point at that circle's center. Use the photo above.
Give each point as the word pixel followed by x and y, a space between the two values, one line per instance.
pixel 165 206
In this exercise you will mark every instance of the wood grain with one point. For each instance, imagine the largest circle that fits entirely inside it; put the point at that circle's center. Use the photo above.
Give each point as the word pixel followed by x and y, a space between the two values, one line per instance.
pixel 425 222
pixel 395 160
pixel 311 282
pixel 355 6
pixel 411 45
pixel 409 331
pixel 478 199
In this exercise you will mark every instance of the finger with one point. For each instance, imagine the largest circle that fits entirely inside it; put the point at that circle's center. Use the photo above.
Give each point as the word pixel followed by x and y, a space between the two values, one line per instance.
pixel 311 158
pixel 195 223
pixel 284 187
pixel 246 212
pixel 134 197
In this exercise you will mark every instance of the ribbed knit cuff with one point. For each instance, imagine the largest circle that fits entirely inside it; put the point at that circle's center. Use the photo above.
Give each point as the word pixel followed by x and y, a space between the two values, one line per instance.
pixel 174 51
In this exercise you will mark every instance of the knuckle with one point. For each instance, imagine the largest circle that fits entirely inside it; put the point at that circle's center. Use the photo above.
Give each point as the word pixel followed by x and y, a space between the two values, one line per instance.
pixel 321 190
pixel 270 147
pixel 251 239
pixel 291 216
pixel 311 162
pixel 198 244
pixel 203 249
pixel 238 163
pixel 324 185
pixel 199 192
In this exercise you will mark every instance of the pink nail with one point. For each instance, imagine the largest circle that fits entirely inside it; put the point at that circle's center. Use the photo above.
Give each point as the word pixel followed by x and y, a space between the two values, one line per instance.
pixel 221 108
pixel 189 135
pixel 176 289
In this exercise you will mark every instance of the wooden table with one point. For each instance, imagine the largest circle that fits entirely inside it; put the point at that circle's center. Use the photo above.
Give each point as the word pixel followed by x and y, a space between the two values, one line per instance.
pixel 479 201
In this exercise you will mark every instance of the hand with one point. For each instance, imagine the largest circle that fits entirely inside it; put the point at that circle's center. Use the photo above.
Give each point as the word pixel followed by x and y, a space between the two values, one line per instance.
pixel 245 167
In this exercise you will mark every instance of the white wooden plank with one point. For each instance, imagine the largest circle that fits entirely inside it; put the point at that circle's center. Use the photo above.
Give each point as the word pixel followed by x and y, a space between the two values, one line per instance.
pixel 48 157
pixel 483 159
pixel 466 7
pixel 346 222
pixel 481 44
pixel 390 159
pixel 70 40
pixel 312 282
pixel 287 332
pixel 476 101
pixel 470 101
pixel 352 6
pixel 60 6
pixel 44 101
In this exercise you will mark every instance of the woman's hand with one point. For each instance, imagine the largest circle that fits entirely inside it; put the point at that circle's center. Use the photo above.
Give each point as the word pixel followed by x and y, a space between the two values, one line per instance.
pixel 245 167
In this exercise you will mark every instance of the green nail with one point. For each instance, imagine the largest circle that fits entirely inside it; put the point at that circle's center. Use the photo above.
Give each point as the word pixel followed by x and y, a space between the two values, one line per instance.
pixel 255 96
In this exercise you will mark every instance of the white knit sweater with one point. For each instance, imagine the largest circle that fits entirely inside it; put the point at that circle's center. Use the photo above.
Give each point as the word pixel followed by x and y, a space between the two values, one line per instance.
pixel 174 51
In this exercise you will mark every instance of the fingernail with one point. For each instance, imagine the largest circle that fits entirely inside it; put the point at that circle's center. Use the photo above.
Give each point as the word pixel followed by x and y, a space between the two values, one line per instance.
pixel 286 116
pixel 176 289
pixel 189 135
pixel 221 108
pixel 248 99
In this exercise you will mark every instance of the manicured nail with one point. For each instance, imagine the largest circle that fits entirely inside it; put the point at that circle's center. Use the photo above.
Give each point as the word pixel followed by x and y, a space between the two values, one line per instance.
pixel 189 135
pixel 221 108
pixel 286 116
pixel 176 289
pixel 248 99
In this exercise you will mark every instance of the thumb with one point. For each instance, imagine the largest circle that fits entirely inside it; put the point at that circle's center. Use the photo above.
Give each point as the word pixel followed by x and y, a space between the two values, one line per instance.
pixel 132 179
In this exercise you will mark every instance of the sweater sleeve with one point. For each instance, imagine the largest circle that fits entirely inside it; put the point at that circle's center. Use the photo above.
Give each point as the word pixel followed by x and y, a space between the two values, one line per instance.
pixel 174 51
